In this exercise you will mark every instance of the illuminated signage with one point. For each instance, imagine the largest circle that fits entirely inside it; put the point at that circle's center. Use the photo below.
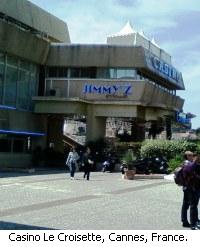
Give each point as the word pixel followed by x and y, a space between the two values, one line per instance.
pixel 7 107
pixel 166 69
pixel 182 118
pixel 107 90
pixel 21 132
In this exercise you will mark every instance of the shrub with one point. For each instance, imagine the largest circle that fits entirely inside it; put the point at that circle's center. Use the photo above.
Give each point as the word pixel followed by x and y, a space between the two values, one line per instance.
pixel 122 147
pixel 129 158
pixel 175 162
pixel 166 148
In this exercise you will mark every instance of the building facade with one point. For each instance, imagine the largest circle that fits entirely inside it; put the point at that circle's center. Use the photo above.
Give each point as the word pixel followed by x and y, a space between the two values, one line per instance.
pixel 44 78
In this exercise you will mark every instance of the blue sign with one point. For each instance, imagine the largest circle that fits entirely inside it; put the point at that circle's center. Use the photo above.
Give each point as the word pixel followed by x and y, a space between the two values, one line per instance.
pixel 166 69
pixel 182 118
pixel 107 90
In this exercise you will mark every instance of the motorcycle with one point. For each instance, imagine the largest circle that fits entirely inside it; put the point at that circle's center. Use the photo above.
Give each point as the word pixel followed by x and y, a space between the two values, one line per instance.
pixel 109 164
pixel 159 165
pixel 152 165
pixel 142 166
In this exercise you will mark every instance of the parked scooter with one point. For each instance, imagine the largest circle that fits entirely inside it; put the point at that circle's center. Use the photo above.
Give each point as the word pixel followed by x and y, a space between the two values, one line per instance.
pixel 109 164
pixel 159 165
pixel 142 166
pixel 152 165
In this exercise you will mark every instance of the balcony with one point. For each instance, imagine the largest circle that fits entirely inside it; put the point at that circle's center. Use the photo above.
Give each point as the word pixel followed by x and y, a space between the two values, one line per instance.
pixel 73 96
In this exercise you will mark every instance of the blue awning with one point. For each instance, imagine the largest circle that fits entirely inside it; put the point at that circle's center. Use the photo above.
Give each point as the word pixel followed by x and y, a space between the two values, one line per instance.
pixel 21 132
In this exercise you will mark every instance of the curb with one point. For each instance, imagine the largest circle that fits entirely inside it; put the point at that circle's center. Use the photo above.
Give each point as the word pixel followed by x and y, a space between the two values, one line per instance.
pixel 12 169
pixel 151 176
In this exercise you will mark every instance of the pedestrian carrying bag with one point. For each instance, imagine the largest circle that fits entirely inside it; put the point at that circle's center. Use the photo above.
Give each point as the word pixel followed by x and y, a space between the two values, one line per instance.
pixel 178 176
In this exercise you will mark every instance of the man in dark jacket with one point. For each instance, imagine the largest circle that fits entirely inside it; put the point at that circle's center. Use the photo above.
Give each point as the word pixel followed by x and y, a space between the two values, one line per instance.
pixel 188 156
pixel 88 163
pixel 191 191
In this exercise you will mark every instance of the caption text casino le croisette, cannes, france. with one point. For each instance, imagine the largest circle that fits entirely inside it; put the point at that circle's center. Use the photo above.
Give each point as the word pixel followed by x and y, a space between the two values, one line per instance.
pixel 92 237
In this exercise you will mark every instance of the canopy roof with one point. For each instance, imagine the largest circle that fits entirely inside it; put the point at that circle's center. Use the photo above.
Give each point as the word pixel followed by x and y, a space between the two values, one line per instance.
pixel 126 30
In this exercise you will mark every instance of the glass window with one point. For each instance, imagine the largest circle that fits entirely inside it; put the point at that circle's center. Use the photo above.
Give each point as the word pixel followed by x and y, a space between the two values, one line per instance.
pixel 1 82
pixel 24 65
pixel 62 72
pixel 33 69
pixel 23 90
pixel 75 72
pixel 112 73
pixel 33 89
pixel 103 73
pixel 52 72
pixel 126 73
pixel 5 145
pixel 21 82
pixel 11 86
pixel 12 61
pixel 15 144
pixel 140 76
pixel 88 72
pixel 2 58
pixel 18 146
pixel 33 85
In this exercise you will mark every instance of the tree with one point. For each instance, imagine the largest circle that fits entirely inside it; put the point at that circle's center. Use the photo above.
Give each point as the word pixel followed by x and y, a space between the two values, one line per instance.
pixel 198 131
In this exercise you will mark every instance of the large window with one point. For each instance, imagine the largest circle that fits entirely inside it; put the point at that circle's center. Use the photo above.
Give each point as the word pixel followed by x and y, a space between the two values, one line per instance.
pixel 18 145
pixel 18 82
pixel 2 69
pixel 33 80
pixel 15 144
pixel 90 72
pixel 11 86
pixel 122 73
pixel 23 90
pixel 5 145
pixel 116 73
pixel 76 72
pixel 55 72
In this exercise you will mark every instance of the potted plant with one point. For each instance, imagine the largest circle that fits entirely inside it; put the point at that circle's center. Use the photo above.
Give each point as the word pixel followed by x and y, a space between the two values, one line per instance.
pixel 129 169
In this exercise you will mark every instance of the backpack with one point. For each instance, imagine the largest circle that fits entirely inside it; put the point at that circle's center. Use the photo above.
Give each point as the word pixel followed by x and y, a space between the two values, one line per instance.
pixel 178 176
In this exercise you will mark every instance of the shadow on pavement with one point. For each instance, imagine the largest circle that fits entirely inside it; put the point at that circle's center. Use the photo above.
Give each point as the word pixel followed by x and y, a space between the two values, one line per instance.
pixel 45 171
pixel 15 226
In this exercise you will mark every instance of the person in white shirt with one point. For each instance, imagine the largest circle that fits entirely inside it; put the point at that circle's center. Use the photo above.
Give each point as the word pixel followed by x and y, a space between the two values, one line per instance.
pixel 71 161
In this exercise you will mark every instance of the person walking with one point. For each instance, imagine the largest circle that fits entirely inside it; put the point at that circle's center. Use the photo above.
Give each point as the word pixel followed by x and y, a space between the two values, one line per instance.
pixel 191 191
pixel 88 162
pixel 71 161
pixel 195 184
pixel 188 156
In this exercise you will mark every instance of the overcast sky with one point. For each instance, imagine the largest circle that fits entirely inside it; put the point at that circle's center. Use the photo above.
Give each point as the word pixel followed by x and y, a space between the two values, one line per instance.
pixel 175 25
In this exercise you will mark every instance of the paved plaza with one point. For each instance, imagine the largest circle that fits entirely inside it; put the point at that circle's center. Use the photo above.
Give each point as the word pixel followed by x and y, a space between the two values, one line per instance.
pixel 50 200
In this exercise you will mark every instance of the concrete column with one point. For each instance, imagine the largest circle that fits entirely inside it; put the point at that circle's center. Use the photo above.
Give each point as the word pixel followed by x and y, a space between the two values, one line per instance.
pixel 41 141
pixel 168 128
pixel 55 132
pixel 138 130
pixel 96 126
pixel 153 129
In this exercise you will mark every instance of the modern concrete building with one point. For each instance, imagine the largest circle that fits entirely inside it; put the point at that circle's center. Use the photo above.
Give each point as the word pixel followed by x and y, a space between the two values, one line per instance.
pixel 44 78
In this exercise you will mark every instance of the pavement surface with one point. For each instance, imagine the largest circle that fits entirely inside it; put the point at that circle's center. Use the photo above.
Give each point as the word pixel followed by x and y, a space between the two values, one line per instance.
pixel 50 200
